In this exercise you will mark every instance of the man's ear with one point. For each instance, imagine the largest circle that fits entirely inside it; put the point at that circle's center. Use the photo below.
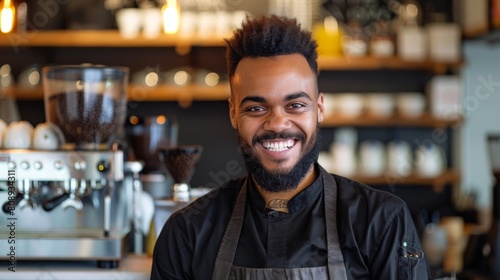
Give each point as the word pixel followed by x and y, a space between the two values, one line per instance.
pixel 321 107
pixel 232 113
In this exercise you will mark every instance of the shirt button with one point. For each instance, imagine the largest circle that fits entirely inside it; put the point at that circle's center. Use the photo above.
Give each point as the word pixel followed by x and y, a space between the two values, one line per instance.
pixel 273 214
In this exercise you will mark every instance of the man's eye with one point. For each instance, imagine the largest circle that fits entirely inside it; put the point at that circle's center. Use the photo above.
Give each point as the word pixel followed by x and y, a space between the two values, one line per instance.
pixel 255 109
pixel 296 105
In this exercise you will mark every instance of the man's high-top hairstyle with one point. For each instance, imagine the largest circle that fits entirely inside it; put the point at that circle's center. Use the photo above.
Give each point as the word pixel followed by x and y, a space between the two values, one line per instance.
pixel 268 36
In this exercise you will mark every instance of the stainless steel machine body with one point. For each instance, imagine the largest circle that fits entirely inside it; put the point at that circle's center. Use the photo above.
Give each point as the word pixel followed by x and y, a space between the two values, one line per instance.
pixel 64 205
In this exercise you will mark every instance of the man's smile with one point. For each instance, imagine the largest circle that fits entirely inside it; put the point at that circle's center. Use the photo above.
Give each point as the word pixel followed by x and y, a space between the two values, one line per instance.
pixel 278 146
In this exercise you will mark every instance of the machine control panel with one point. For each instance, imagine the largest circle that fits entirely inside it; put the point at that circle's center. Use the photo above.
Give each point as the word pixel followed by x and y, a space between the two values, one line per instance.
pixel 25 165
pixel 11 165
pixel 103 166
pixel 37 165
pixel 62 165
pixel 80 165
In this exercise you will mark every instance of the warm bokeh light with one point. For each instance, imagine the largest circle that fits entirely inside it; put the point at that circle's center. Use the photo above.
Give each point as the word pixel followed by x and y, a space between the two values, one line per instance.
pixel 7 17
pixel 161 120
pixel 151 79
pixel 134 120
pixel 171 16
pixel 211 79
pixel 181 78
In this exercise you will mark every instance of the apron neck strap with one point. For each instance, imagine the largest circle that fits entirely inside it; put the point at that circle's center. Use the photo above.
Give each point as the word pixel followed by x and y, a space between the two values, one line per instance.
pixel 336 267
pixel 229 244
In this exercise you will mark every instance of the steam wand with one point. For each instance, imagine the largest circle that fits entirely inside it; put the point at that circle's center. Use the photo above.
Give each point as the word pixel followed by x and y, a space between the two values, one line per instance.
pixel 27 199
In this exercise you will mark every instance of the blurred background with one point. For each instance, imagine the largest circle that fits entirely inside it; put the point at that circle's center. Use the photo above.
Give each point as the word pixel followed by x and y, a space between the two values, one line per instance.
pixel 411 89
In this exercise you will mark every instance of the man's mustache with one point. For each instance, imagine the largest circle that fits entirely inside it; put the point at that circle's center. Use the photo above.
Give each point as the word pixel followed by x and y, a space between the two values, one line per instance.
pixel 282 135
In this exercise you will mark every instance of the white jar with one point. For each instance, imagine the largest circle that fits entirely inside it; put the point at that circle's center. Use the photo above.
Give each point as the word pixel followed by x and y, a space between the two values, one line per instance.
pixel 411 104
pixel 444 41
pixel 399 159
pixel 344 158
pixel 412 43
pixel 430 160
pixel 351 105
pixel 372 158
pixel 380 105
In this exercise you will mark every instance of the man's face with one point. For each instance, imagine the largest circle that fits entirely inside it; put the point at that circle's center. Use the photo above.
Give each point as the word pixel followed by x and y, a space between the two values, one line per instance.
pixel 276 108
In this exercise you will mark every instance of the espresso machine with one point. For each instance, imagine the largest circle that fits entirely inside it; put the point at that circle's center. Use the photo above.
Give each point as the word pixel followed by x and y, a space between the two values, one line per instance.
pixel 71 203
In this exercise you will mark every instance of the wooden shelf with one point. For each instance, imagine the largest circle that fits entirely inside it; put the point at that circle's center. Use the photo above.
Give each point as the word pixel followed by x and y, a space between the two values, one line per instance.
pixel 112 38
pixel 173 93
pixel 365 120
pixel 141 93
pixel 438 182
pixel 100 38
pixel 378 63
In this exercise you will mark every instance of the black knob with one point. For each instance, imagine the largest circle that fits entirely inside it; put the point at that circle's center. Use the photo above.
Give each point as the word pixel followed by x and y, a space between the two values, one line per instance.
pixel 103 166
pixel 52 203
pixel 10 205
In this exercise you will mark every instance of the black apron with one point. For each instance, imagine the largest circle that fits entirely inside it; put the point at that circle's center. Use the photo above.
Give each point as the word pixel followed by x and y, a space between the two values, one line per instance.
pixel 335 269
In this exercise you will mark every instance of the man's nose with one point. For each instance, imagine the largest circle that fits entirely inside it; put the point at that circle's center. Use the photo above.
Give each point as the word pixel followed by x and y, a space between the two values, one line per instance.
pixel 277 121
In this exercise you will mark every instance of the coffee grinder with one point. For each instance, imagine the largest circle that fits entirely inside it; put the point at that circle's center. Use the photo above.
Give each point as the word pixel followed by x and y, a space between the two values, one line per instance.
pixel 71 203
pixel 180 162
pixel 145 137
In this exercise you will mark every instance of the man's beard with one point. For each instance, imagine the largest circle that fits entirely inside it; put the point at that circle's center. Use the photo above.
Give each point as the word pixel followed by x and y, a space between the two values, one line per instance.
pixel 281 180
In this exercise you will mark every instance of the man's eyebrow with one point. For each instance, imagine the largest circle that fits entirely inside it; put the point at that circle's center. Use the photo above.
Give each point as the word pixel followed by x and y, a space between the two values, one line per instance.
pixel 297 95
pixel 260 99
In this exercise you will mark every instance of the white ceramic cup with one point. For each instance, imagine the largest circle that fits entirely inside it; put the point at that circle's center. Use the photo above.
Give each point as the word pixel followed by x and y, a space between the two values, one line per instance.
pixel 18 135
pixel 189 24
pixel 330 103
pixel 351 105
pixel 399 158
pixel 372 158
pixel 411 104
pixel 129 21
pixel 380 104
pixel 354 46
pixel 223 24
pixel 207 23
pixel 152 22
pixel 430 160
pixel 344 159
pixel 412 43
pixel 444 41
pixel 47 136
pixel 238 17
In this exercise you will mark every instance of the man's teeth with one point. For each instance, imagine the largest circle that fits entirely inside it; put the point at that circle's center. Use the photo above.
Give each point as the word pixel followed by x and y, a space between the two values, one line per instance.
pixel 278 146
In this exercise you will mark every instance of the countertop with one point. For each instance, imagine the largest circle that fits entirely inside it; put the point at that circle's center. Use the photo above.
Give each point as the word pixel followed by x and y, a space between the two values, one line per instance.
pixel 132 267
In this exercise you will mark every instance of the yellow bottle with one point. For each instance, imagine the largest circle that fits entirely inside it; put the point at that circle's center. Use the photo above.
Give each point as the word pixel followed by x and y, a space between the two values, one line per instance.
pixel 327 35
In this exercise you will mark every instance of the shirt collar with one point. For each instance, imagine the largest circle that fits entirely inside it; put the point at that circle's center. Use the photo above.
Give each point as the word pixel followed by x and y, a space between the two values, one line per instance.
pixel 300 201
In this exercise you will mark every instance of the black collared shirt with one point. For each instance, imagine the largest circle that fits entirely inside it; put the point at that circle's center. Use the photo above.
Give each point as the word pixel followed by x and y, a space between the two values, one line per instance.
pixel 373 226
pixel 277 231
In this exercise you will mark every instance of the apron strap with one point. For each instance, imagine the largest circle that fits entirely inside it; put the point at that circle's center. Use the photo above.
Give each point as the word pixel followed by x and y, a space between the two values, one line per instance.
pixel 336 267
pixel 229 244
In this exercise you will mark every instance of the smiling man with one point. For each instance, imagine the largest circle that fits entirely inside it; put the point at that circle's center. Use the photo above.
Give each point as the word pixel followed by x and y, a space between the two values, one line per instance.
pixel 288 218
pixel 276 111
